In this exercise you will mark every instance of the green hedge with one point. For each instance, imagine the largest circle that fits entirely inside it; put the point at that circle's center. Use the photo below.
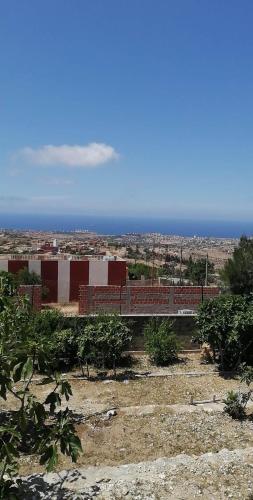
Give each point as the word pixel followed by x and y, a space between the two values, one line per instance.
pixel 183 326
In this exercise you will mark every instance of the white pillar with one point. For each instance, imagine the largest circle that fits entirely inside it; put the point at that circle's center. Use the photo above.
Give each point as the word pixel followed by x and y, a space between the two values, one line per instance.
pixel 63 281
pixel 98 272
pixel 4 265
pixel 34 266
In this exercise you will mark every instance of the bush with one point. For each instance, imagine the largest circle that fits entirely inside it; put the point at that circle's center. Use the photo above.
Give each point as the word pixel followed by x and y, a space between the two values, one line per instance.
pixel 103 340
pixel 61 342
pixel 235 404
pixel 226 324
pixel 63 350
pixel 136 271
pixel 160 342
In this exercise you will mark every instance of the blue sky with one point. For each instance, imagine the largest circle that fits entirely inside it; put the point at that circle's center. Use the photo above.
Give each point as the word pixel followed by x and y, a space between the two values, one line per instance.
pixel 127 107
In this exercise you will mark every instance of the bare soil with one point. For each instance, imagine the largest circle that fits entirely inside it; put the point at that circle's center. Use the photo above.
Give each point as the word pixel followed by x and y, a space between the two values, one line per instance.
pixel 156 429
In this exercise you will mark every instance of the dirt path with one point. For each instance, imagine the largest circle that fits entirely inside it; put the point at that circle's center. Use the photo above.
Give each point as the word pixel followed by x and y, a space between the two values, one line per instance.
pixel 227 474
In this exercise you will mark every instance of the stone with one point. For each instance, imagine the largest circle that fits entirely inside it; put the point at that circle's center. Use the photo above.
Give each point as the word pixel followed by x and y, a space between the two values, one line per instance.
pixel 111 413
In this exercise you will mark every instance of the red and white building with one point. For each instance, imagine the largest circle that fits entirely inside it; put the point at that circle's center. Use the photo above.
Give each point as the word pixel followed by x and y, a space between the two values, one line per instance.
pixel 63 276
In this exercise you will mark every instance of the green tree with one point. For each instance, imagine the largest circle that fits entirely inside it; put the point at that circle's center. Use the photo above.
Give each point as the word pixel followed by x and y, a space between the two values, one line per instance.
pixel 35 426
pixel 160 342
pixel 226 324
pixel 25 277
pixel 196 271
pixel 49 326
pixel 167 270
pixel 86 348
pixel 238 271
pixel 7 288
pixel 136 271
pixel 103 340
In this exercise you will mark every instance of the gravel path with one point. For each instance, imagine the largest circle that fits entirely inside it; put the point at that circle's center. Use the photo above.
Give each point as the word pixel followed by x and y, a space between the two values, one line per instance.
pixel 227 474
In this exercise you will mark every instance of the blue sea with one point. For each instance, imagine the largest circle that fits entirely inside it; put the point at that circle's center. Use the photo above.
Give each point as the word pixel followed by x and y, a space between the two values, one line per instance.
pixel 121 225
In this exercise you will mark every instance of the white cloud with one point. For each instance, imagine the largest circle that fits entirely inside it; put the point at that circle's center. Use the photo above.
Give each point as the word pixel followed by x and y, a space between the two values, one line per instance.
pixel 90 156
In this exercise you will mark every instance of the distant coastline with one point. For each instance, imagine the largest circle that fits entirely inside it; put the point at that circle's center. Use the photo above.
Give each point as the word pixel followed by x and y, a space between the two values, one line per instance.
pixel 121 225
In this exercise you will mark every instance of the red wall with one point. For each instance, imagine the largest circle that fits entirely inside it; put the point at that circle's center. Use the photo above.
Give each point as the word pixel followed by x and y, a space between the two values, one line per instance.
pixel 116 273
pixel 49 276
pixel 79 275
pixel 14 266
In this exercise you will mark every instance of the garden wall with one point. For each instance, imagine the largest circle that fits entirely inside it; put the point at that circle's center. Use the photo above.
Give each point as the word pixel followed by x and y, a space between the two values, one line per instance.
pixel 33 292
pixel 142 300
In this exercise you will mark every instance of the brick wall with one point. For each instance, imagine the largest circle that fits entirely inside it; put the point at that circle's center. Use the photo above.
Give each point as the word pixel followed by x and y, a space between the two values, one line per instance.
pixel 33 292
pixel 142 300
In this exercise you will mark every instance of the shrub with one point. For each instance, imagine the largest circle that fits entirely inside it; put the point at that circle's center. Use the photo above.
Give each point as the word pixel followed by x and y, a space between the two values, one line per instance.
pixel 160 342
pixel 226 323
pixel 61 342
pixel 63 351
pixel 48 321
pixel 35 427
pixel 103 340
pixel 235 404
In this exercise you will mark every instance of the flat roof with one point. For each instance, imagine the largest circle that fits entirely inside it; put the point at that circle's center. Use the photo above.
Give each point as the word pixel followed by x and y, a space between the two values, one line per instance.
pixel 60 256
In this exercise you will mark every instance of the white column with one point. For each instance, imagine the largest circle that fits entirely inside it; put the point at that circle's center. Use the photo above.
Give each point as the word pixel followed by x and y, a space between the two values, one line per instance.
pixel 63 281
pixel 4 265
pixel 98 272
pixel 34 266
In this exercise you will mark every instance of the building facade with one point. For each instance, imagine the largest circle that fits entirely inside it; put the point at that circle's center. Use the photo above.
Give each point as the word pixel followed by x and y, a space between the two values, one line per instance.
pixel 63 277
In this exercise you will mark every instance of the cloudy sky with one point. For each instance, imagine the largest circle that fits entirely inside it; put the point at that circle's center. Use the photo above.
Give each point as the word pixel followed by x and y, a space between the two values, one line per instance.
pixel 132 107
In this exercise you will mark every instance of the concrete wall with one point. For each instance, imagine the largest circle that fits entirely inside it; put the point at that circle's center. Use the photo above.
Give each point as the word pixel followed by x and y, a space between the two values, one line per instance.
pixel 142 300
pixel 183 326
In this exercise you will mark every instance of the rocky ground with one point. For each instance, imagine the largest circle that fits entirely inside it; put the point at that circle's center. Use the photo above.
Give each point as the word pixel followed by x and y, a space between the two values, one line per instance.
pixel 156 445
pixel 226 474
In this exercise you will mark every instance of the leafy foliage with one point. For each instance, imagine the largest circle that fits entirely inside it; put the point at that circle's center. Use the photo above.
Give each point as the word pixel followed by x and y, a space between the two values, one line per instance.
pixel 236 402
pixel 226 324
pixel 136 271
pixel 196 271
pixel 160 342
pixel 238 271
pixel 60 342
pixel 26 277
pixel 36 427
pixel 103 341
pixel 11 281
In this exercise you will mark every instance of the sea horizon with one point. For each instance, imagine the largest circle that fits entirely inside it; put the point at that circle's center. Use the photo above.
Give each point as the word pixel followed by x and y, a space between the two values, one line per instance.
pixel 118 225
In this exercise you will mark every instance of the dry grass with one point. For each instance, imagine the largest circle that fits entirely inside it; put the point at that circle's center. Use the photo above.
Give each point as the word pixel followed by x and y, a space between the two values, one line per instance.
pixel 133 438
pixel 127 439
pixel 90 396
